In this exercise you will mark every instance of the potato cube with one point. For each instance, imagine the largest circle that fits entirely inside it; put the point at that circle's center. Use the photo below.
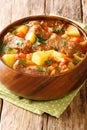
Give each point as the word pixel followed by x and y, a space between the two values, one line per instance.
pixel 30 36
pixel 40 57
pixel 72 31
pixel 9 59
pixel 23 29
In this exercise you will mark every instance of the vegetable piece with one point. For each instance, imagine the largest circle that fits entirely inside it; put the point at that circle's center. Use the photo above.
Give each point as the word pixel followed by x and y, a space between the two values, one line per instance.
pixel 55 64
pixel 64 43
pixel 20 34
pixel 2 47
pixel 76 61
pixel 22 28
pixel 20 31
pixel 65 36
pixel 30 36
pixel 39 40
pixel 53 72
pixel 29 59
pixel 77 57
pixel 45 27
pixel 21 55
pixel 41 69
pixel 58 30
pixel 58 67
pixel 72 31
pixel 58 56
pixel 22 61
pixel 48 62
pixel 84 43
pixel 56 47
pixel 40 57
pixel 9 59
pixel 14 31
pixel 70 65
pixel 75 39
pixel 10 50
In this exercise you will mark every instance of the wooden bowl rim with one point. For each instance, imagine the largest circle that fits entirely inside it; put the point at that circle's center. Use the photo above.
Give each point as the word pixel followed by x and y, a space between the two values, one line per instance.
pixel 43 17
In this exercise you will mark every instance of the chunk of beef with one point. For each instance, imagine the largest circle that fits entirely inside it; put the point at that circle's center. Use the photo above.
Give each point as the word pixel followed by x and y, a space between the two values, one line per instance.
pixel 37 29
pixel 33 71
pixel 69 49
pixel 31 23
pixel 18 66
pixel 53 41
pixel 16 42
pixel 29 70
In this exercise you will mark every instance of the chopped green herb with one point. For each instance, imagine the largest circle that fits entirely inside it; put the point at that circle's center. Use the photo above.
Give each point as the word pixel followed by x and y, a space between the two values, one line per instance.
pixel 63 29
pixel 9 49
pixel 36 44
pixel 2 47
pixel 45 42
pixel 39 40
pixel 56 47
pixel 57 67
pixel 14 31
pixel 64 43
pixel 76 61
pixel 22 61
pixel 48 62
pixel 58 30
pixel 19 42
pixel 41 69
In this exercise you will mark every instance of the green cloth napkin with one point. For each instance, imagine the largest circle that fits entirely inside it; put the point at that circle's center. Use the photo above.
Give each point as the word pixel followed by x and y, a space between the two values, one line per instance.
pixel 54 108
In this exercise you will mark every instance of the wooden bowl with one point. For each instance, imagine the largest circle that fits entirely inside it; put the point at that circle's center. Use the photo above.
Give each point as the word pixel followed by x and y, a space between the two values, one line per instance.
pixel 42 87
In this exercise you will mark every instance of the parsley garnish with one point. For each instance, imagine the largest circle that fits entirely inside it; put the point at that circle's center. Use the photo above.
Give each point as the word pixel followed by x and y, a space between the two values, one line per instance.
pixel 22 61
pixel 64 43
pixel 39 40
pixel 19 42
pixel 2 47
pixel 56 47
pixel 48 62
pixel 76 61
pixel 14 31
pixel 9 48
pixel 58 30
pixel 41 69
pixel 36 44
pixel 57 67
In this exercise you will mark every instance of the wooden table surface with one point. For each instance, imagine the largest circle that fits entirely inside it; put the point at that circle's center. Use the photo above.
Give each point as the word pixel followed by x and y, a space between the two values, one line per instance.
pixel 75 117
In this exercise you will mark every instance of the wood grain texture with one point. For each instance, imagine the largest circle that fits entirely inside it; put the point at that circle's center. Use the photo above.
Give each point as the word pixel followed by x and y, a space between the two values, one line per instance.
pixel 75 117
pixel 67 8
pixel 84 10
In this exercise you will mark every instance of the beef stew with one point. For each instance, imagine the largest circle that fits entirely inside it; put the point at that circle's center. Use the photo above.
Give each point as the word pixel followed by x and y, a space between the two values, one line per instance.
pixel 43 47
